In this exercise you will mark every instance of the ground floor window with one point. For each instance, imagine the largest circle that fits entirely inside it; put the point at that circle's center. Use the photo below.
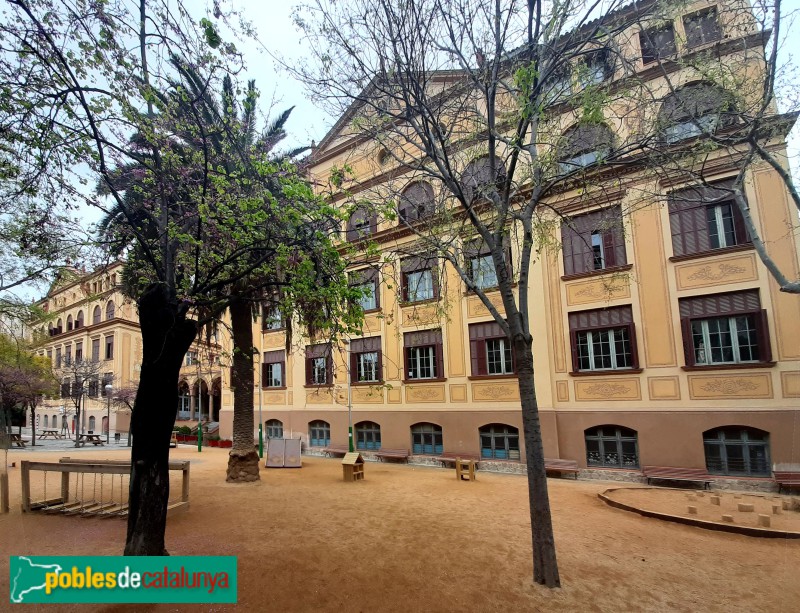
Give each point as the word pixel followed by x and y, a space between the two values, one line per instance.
pixel 499 442
pixel 426 439
pixel 91 424
pixel 274 428
pixel 612 446
pixel 319 433
pixel 368 435
pixel 737 450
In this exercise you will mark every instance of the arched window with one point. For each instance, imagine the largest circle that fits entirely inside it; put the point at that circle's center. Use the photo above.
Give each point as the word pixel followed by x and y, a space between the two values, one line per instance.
pixel 611 446
pixel 91 424
pixel 499 442
pixel 426 438
pixel 319 433
pixel 46 419
pixel 79 320
pixel 69 323
pixel 274 428
pixel 477 180
pixel 110 310
pixel 59 326
pixel 737 450
pixel 96 315
pixel 184 399
pixel 583 146
pixel 416 202
pixel 51 329
pixel 695 110
pixel 361 224
pixel 368 435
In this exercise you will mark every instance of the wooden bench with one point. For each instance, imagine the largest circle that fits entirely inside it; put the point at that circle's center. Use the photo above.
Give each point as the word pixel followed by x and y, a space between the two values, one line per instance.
pixel 449 457
pixel 392 454
pixel 336 450
pixel 561 466
pixel 786 478
pixel 672 473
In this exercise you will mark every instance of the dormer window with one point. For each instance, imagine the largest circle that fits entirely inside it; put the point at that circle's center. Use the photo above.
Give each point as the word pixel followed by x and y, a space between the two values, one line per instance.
pixel 702 27
pixel 657 44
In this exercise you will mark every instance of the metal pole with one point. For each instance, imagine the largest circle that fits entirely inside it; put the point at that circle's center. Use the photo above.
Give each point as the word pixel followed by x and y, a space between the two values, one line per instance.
pixel 108 414
pixel 260 387
pixel 349 400
pixel 199 409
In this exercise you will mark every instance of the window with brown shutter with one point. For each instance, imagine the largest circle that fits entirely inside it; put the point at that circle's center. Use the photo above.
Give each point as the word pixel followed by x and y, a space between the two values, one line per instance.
pixel 366 360
pixel 423 355
pixel 593 241
pixel 724 329
pixel 702 27
pixel 95 349
pixel 603 339
pixel 366 280
pixel 657 44
pixel 109 348
pixel 479 263
pixel 273 369
pixel 420 278
pixel 490 350
pixel 704 219
pixel 319 364
pixel 361 224
pixel 416 202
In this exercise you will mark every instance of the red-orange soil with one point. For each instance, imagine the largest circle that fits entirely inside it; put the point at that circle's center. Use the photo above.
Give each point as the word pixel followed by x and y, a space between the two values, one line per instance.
pixel 414 539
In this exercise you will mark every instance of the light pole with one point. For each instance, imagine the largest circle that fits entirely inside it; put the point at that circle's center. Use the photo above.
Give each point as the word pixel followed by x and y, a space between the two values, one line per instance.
pixel 108 388
pixel 350 441
pixel 199 409
pixel 260 420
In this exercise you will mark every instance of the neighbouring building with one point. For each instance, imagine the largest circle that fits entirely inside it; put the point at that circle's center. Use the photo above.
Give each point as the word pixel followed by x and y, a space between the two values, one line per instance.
pixel 660 338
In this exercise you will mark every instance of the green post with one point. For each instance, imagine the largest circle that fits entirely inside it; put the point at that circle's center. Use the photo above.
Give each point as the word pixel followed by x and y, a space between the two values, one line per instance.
pixel 350 435
pixel 260 440
pixel 200 437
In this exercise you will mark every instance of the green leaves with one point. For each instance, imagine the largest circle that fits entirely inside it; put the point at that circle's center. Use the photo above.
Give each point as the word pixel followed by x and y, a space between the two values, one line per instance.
pixel 212 36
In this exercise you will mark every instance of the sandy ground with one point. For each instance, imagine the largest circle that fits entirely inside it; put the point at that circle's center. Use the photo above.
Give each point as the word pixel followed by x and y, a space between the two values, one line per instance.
pixel 675 502
pixel 414 539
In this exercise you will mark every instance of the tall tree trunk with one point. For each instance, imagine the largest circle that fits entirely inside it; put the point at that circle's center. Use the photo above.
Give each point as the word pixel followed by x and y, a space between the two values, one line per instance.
pixel 243 459
pixel 545 565
pixel 166 337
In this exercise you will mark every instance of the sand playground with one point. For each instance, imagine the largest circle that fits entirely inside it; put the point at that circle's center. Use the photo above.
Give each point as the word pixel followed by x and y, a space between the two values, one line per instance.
pixel 411 538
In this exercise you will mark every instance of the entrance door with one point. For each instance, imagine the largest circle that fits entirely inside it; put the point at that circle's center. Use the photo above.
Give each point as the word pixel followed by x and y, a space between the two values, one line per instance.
pixel 105 425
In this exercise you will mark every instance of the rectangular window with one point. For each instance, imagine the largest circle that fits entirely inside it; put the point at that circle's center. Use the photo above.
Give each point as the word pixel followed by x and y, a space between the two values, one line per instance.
pixel 107 379
pixel 725 329
pixel 419 278
pixel 272 374
pixel 366 281
pixel 65 388
pixel 596 69
pixel 68 355
pixel 423 355
pixel 78 352
pixel 657 44
pixel 702 27
pixel 109 348
pixel 365 360
pixel 58 357
pixel 94 386
pixel 95 350
pixel 490 350
pixel 319 362
pixel 480 265
pixel 271 318
pixel 191 358
pixel 593 241
pixel 705 218
pixel 603 339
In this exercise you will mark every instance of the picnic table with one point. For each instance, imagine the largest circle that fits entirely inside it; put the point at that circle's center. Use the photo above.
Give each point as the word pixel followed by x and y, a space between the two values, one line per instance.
pixel 16 439
pixel 95 439
pixel 50 432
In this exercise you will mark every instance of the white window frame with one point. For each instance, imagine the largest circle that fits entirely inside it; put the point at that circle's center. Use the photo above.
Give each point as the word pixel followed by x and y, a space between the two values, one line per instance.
pixel 273 378
pixel 420 285
pixel 703 356
pixel 506 361
pixel 367 367
pixel 319 371
pixel 482 271
pixel 367 301
pixel 611 333
pixel 719 224
pixel 416 358
pixel 273 321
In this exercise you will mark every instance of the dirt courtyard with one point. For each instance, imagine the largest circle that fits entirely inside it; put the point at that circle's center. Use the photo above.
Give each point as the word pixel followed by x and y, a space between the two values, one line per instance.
pixel 414 539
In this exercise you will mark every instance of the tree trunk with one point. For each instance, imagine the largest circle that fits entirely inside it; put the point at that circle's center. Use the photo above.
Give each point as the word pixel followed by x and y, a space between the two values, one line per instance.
pixel 545 565
pixel 33 427
pixel 243 459
pixel 166 337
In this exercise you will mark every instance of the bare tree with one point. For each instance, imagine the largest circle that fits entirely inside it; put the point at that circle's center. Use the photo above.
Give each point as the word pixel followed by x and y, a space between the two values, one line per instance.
pixel 81 379
pixel 123 400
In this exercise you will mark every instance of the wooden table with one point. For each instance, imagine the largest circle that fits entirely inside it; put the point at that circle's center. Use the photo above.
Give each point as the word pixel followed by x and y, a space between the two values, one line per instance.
pixel 16 439
pixel 95 439
pixel 50 432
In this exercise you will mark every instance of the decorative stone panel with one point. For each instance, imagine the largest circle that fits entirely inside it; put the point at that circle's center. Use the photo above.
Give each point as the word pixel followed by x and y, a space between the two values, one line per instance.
pixel 458 392
pixel 664 388
pixel 607 389
pixel 425 393
pixel 702 387
pixel 475 307
pixel 790 384
pixel 614 287
pixel 495 392
pixel 728 270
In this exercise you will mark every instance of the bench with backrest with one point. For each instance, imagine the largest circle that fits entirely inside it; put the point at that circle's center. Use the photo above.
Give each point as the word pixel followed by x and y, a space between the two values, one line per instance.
pixel 336 450
pixel 672 473
pixel 561 466
pixel 449 457
pixel 786 478
pixel 392 454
